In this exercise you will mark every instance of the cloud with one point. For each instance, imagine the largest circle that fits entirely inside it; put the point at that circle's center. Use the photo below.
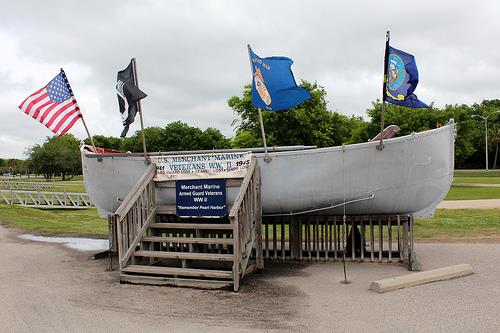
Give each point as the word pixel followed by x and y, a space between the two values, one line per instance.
pixel 192 54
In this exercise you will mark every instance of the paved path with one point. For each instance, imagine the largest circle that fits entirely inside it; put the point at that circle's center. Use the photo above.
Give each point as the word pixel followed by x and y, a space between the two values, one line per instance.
pixel 47 288
pixel 476 185
pixel 470 204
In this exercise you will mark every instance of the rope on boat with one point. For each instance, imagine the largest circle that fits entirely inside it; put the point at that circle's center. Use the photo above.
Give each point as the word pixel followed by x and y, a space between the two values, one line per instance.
pixel 371 196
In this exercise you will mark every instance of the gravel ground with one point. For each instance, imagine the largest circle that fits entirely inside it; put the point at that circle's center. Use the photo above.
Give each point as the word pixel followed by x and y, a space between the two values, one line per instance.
pixel 49 288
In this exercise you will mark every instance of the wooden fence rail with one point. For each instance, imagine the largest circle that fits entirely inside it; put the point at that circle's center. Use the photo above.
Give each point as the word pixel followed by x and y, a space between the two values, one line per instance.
pixel 39 199
pixel 373 238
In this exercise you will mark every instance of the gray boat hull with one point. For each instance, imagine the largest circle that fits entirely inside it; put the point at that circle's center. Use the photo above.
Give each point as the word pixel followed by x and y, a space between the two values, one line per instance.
pixel 411 175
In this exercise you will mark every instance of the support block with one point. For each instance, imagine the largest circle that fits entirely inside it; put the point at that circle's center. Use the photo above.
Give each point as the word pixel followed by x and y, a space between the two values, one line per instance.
pixel 410 280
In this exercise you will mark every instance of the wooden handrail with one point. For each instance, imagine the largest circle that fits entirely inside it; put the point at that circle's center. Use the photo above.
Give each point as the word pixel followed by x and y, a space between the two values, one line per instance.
pixel 135 215
pixel 243 189
pixel 134 193
pixel 245 216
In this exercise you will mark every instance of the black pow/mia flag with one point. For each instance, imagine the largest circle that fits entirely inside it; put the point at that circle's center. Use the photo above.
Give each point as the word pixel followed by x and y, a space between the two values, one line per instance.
pixel 128 96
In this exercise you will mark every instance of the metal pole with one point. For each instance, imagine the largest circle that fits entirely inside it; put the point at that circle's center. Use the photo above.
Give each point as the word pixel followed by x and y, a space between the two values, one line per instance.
pixel 266 157
pixel 486 140
pixel 261 122
pixel 139 108
pixel 344 225
pixel 384 87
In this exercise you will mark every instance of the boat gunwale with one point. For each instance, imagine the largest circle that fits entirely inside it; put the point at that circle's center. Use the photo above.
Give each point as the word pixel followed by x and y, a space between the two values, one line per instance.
pixel 301 150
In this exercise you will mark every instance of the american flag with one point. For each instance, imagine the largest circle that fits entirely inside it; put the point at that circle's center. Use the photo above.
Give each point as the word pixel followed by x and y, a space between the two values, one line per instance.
pixel 53 105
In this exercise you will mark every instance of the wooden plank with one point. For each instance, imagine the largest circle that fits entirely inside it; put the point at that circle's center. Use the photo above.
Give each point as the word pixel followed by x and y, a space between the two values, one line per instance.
pixel 316 236
pixel 363 231
pixel 293 239
pixel 415 279
pixel 335 236
pixel 389 236
pixel 327 236
pixel 188 240
pixel 204 226
pixel 275 240
pixel 235 274
pixel 185 255
pixel 283 250
pixel 206 273
pixel 266 243
pixel 372 241
pixel 300 245
pixel 353 242
pixel 398 220
pixel 175 282
pixel 380 239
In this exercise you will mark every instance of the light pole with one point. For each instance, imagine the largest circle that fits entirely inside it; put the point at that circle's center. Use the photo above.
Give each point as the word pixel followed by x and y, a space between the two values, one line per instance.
pixel 485 134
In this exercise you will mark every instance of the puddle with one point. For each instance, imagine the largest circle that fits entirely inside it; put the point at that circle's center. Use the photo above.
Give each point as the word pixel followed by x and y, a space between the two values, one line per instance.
pixel 81 244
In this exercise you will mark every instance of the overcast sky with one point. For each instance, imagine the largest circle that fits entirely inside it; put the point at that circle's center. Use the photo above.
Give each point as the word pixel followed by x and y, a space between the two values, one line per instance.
pixel 192 56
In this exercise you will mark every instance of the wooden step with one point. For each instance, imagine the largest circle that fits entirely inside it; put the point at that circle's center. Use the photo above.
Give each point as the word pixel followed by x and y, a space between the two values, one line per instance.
pixel 188 240
pixel 185 255
pixel 205 226
pixel 176 282
pixel 203 273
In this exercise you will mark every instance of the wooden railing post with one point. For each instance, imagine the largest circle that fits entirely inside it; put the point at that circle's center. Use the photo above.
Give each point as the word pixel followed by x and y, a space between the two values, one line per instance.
pixel 237 253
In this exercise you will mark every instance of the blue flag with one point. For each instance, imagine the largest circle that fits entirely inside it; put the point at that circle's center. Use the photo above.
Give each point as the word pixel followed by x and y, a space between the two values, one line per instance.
pixel 402 79
pixel 273 85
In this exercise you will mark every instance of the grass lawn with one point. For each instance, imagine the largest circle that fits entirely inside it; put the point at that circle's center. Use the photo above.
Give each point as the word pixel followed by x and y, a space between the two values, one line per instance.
pixel 447 224
pixel 460 224
pixel 476 180
pixel 84 222
pixel 472 193
pixel 477 173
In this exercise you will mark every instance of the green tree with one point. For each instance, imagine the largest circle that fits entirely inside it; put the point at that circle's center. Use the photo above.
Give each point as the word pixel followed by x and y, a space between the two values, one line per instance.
pixel 12 166
pixel 178 136
pixel 309 123
pixel 57 155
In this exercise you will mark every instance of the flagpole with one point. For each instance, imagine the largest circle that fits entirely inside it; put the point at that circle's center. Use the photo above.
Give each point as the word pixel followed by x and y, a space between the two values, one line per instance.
pixel 384 87
pixel 266 157
pixel 139 107
pixel 88 133
pixel 261 122
pixel 81 114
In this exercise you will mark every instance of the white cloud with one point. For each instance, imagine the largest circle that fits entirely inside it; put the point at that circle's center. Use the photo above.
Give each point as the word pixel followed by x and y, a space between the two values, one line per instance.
pixel 192 54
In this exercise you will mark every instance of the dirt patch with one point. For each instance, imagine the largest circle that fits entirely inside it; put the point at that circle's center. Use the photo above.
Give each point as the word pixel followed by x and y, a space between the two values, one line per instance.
pixel 83 285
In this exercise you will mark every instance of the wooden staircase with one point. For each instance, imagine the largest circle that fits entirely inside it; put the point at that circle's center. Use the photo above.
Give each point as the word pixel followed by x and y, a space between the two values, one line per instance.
pixel 157 247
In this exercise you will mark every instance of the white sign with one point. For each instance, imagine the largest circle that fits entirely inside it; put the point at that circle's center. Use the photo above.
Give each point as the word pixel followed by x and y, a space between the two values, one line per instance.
pixel 217 165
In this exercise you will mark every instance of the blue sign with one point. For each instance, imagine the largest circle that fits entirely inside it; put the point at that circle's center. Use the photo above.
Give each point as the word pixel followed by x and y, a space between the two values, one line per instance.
pixel 201 197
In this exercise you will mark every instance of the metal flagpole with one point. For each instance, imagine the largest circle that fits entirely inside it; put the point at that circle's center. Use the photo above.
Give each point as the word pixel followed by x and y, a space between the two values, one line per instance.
pixel 384 87
pixel 139 107
pixel 83 119
pixel 344 225
pixel 261 122
pixel 266 157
